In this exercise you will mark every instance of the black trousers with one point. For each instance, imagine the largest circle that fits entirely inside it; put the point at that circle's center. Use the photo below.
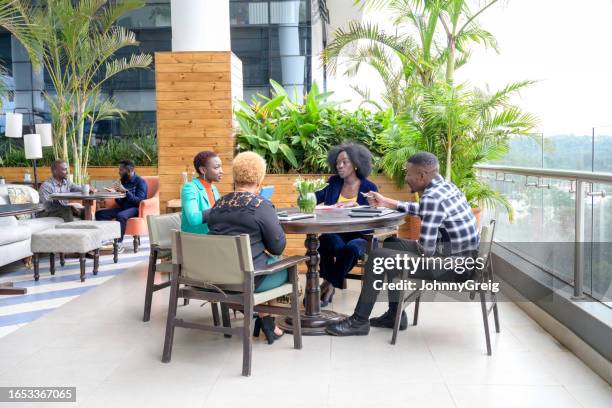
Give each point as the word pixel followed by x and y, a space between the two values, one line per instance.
pixel 392 247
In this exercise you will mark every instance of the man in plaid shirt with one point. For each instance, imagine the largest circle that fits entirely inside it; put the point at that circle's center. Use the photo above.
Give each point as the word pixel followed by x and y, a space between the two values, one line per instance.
pixel 448 228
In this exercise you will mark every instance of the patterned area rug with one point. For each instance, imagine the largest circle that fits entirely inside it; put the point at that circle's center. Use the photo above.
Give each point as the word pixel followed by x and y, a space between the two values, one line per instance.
pixel 51 292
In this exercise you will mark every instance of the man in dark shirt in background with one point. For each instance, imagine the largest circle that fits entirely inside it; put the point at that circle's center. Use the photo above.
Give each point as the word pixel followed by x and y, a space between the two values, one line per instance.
pixel 135 189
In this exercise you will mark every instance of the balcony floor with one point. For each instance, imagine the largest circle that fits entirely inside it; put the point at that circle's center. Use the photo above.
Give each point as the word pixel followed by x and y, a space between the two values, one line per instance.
pixel 98 343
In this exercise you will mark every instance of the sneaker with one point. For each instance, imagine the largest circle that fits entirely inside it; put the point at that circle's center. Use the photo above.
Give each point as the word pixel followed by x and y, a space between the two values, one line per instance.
pixel 348 327
pixel 388 319
pixel 120 249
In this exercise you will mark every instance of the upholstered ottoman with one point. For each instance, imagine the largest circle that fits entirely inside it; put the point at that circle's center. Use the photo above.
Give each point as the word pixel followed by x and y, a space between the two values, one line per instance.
pixel 111 230
pixel 57 240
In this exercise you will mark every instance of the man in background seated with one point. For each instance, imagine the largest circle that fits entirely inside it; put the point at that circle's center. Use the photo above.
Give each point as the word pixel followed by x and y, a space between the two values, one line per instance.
pixel 135 189
pixel 59 183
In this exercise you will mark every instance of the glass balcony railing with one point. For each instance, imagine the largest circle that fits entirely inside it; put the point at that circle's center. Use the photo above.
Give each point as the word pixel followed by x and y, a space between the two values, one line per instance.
pixel 562 223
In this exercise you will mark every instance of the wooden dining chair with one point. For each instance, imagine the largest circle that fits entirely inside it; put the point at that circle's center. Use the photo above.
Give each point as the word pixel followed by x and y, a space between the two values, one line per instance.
pixel 483 275
pixel 220 269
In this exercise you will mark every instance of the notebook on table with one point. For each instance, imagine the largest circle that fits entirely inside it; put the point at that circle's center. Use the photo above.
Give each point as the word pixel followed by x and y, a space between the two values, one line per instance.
pixel 284 216
pixel 371 212
pixel 368 209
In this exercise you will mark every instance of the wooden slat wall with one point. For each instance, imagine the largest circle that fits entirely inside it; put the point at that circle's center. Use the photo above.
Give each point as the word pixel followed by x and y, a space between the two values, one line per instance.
pixel 195 93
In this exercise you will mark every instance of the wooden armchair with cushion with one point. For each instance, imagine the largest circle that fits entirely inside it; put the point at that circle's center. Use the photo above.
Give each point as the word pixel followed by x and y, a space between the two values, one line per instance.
pixel 137 226
pixel 220 269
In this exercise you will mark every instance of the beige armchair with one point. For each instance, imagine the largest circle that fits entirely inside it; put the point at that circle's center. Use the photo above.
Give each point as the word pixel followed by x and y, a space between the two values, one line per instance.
pixel 220 269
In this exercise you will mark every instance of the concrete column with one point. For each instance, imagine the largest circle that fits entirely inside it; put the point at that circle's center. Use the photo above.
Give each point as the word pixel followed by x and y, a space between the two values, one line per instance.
pixel 287 15
pixel 200 25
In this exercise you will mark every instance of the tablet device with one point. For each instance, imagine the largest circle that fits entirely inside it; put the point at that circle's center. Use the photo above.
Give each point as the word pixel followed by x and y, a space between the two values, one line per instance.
pixel 266 192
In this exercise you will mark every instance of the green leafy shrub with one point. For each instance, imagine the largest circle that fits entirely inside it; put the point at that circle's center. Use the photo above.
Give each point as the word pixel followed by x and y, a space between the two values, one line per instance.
pixel 141 149
pixel 295 137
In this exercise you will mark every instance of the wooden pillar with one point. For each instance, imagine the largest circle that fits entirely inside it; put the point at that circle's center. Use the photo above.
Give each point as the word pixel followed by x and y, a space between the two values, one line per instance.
pixel 195 97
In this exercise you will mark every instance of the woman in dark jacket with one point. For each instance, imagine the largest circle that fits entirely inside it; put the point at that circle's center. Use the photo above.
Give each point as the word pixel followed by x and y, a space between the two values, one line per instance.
pixel 340 252
pixel 245 212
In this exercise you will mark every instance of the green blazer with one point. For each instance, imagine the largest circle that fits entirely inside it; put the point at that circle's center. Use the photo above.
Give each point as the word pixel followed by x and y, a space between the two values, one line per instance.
pixel 194 200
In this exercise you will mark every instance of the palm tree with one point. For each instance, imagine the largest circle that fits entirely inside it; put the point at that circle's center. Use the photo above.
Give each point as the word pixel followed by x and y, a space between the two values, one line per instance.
pixel 13 18
pixel 481 122
pixel 403 62
pixel 76 43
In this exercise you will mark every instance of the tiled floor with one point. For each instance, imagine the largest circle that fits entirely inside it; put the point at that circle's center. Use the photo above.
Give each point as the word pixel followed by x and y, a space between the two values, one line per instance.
pixel 98 343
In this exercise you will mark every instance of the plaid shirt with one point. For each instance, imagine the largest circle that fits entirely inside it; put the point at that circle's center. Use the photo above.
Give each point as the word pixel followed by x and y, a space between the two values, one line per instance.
pixel 448 226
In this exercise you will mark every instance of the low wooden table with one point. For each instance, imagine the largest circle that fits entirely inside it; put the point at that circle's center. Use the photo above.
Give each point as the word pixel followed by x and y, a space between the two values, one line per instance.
pixel 173 206
pixel 314 320
pixel 12 210
pixel 87 200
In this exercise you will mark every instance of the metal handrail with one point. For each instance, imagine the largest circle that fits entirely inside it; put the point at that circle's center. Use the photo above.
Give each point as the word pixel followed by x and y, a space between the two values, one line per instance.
pixel 586 176
pixel 580 178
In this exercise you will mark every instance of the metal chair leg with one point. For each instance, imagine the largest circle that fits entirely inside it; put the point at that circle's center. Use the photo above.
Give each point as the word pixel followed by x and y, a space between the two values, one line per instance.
pixel 494 299
pixel 149 286
pixel 225 317
pixel 398 318
pixel 295 311
pixel 247 339
pixel 485 320
pixel 495 314
pixel 215 312
pixel 417 302
pixel 169 339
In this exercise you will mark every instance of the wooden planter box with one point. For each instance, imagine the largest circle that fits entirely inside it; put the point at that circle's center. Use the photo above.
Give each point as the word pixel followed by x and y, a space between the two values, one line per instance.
pixel 95 173
pixel 285 196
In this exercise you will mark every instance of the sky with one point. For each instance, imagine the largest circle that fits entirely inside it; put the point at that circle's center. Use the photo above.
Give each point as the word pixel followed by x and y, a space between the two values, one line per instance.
pixel 565 45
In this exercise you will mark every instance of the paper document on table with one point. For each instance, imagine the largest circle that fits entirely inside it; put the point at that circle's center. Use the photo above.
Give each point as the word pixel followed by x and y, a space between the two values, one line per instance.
pixel 337 207
pixel 385 211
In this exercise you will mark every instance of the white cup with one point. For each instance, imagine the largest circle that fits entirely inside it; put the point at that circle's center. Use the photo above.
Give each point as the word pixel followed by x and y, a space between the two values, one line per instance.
pixel 86 189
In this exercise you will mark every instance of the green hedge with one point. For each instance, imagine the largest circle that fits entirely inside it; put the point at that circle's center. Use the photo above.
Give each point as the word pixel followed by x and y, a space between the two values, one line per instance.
pixel 141 149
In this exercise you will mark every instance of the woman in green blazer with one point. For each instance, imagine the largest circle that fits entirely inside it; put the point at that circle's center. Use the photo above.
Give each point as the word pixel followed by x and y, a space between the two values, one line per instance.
pixel 199 195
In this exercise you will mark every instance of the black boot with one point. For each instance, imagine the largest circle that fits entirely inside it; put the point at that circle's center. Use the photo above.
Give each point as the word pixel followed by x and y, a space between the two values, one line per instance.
pixel 257 327
pixel 388 319
pixel 349 327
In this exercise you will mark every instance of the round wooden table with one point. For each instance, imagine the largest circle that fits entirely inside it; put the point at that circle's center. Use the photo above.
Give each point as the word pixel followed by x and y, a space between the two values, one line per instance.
pixel 87 200
pixel 11 210
pixel 314 320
